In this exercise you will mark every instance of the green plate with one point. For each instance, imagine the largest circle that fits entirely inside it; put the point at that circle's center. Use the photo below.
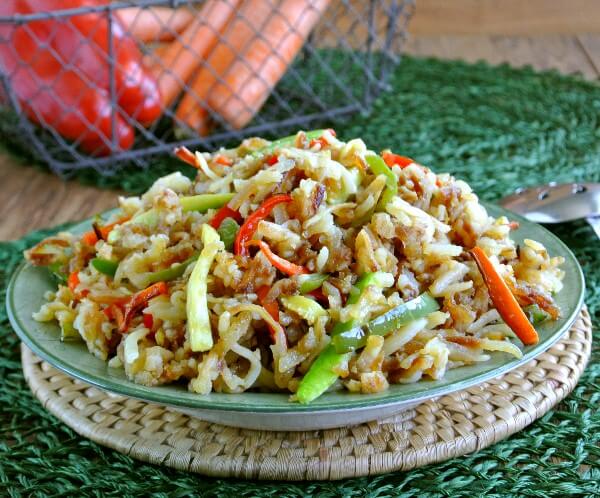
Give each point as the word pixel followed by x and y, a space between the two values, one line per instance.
pixel 25 294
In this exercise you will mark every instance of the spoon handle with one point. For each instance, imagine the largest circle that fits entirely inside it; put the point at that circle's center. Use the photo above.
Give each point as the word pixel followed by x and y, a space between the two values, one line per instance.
pixel 594 221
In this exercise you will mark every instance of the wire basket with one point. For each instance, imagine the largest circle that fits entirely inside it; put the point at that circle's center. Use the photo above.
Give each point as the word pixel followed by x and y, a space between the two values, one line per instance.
pixel 264 68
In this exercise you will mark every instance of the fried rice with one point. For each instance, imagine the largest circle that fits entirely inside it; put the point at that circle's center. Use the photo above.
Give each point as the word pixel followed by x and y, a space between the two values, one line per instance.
pixel 247 291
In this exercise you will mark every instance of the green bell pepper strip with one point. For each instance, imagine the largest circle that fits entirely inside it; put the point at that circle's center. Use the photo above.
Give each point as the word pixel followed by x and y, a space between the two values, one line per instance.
pixel 535 314
pixel 204 202
pixel 105 266
pixel 356 337
pixel 286 142
pixel 198 321
pixel 200 203
pixel 228 231
pixel 321 374
pixel 170 273
pixel 55 270
pixel 310 282
pixel 378 167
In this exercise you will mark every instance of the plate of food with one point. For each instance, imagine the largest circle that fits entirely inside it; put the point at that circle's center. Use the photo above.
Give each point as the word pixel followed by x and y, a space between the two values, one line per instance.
pixel 304 283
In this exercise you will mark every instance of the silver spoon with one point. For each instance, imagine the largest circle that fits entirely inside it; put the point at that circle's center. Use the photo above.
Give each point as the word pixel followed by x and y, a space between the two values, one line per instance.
pixel 554 203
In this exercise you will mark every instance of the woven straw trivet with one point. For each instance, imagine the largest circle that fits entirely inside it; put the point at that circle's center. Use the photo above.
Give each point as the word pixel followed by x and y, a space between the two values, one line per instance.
pixel 435 430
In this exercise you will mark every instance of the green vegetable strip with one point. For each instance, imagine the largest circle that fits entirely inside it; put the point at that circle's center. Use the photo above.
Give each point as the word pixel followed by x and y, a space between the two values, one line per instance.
pixel 228 231
pixel 356 337
pixel 171 273
pixel 204 202
pixel 198 322
pixel 535 314
pixel 321 374
pixel 287 142
pixel 200 203
pixel 55 270
pixel 378 167
pixel 105 266
pixel 311 282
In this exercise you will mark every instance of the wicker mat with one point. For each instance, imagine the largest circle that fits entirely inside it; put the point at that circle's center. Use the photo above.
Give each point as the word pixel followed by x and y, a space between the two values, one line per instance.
pixel 434 431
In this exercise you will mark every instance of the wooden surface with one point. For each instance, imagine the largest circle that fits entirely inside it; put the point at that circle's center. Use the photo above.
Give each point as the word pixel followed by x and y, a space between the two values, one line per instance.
pixel 506 17
pixel 31 199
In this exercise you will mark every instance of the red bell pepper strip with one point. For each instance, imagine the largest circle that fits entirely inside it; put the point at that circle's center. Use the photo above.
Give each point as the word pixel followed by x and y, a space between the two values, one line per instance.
pixel 148 320
pixel 271 307
pixel 283 265
pixel 251 224
pixel 139 300
pixel 222 213
pixel 271 160
pixel 393 159
pixel 504 300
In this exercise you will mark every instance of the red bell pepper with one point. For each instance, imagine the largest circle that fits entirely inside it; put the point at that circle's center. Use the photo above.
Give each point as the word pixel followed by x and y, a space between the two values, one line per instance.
pixel 82 36
pixel 139 300
pixel 225 212
pixel 283 265
pixel 59 71
pixel 392 159
pixel 251 224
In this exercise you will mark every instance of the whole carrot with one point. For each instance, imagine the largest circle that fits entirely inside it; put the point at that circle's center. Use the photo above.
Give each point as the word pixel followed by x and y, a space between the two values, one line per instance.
pixel 251 16
pixel 249 82
pixel 154 23
pixel 177 63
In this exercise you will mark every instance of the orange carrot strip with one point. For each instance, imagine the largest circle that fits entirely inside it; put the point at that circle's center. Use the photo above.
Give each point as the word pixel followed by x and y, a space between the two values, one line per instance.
pixel 504 300
pixel 106 229
pixel 89 238
pixel 193 111
pixel 283 265
pixel 154 23
pixel 179 61
pixel 271 307
pixel 73 280
pixel 249 82
pixel 186 155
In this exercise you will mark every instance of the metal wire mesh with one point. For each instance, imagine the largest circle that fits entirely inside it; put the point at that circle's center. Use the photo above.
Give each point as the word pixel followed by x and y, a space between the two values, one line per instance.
pixel 273 66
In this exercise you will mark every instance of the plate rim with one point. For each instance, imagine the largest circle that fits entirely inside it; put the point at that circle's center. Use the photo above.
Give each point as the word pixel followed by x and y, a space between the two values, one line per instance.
pixel 155 395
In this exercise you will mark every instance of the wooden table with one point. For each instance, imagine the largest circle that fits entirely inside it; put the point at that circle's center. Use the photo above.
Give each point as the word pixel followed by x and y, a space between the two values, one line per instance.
pixel 30 198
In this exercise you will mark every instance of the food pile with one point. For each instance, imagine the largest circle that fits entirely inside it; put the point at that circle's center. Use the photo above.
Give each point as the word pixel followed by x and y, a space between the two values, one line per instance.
pixel 299 265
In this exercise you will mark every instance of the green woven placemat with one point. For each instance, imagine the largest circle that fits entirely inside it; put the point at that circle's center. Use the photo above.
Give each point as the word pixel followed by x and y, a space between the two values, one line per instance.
pixel 497 128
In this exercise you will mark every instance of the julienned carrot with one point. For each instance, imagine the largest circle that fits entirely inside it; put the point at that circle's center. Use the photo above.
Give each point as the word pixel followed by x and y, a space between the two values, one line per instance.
pixel 283 265
pixel 504 300
pixel 192 111
pixel 178 62
pixel 154 23
pixel 249 82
